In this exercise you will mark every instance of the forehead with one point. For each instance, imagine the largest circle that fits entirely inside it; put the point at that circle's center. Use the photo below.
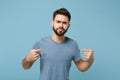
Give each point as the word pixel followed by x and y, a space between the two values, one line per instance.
pixel 61 17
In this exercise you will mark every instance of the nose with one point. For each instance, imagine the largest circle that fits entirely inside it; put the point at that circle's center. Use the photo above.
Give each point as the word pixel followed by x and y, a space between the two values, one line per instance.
pixel 61 24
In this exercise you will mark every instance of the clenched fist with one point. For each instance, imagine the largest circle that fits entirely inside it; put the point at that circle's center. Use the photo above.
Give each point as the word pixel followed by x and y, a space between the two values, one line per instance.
pixel 88 53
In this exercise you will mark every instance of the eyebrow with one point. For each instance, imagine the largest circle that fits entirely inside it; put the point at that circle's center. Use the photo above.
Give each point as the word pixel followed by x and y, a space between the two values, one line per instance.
pixel 61 21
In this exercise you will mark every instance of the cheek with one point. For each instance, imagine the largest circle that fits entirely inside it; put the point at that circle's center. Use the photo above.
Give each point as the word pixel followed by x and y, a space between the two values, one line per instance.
pixel 54 24
pixel 66 27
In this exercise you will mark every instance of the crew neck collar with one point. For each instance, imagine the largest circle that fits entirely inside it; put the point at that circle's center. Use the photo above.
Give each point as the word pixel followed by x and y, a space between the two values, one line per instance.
pixel 59 42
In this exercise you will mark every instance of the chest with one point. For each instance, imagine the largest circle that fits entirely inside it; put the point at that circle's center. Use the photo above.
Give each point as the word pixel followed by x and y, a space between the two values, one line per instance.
pixel 57 53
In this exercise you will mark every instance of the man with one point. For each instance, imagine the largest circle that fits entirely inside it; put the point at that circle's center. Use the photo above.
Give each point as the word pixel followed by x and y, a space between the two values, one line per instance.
pixel 58 51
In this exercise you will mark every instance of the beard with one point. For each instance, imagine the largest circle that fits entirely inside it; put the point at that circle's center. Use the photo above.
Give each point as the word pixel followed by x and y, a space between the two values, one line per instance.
pixel 60 32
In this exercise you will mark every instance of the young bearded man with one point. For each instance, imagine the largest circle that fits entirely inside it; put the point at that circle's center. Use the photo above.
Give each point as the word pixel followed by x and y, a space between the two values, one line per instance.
pixel 57 51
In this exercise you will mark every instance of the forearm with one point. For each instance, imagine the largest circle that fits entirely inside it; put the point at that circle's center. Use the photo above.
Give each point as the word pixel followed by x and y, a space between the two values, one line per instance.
pixel 26 64
pixel 31 58
pixel 85 65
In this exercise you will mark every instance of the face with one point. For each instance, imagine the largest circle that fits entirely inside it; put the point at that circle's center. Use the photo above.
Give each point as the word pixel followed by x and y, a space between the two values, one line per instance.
pixel 60 24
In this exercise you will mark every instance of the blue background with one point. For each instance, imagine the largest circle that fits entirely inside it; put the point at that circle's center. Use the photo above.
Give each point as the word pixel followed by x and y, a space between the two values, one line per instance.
pixel 95 24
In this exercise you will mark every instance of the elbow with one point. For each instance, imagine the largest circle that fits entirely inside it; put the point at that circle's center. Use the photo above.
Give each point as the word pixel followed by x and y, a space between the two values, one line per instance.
pixel 25 66
pixel 83 70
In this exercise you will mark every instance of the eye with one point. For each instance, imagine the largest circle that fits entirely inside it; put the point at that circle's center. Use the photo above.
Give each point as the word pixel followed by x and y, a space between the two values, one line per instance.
pixel 64 22
pixel 58 21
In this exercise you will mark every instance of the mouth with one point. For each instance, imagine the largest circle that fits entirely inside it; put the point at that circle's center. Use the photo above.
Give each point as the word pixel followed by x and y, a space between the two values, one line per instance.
pixel 60 30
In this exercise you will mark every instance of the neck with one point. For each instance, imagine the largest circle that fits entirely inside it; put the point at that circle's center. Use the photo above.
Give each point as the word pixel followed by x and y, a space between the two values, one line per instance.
pixel 58 39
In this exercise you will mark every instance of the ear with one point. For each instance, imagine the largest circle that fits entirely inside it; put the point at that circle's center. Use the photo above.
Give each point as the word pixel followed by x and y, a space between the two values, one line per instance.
pixel 69 25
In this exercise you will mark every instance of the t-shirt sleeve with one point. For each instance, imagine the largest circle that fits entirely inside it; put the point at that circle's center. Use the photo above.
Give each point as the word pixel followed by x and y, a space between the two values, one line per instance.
pixel 36 45
pixel 76 56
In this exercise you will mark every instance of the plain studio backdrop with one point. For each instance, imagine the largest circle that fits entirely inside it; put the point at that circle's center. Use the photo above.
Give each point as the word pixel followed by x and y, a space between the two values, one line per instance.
pixel 95 24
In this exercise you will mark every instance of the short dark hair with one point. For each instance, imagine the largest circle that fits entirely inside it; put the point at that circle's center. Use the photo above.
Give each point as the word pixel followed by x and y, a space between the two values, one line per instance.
pixel 62 11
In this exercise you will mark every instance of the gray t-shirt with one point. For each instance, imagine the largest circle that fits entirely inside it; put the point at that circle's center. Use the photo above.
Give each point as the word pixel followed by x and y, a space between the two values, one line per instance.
pixel 56 58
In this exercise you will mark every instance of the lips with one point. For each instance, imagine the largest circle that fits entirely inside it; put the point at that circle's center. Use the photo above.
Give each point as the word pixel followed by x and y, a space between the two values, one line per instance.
pixel 61 29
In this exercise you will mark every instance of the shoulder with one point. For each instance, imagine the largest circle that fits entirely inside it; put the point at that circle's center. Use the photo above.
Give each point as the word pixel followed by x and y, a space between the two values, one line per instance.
pixel 72 41
pixel 40 42
pixel 44 39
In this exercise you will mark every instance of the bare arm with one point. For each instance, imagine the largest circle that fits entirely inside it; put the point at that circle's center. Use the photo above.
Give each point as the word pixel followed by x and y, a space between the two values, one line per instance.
pixel 27 64
pixel 30 58
pixel 85 65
